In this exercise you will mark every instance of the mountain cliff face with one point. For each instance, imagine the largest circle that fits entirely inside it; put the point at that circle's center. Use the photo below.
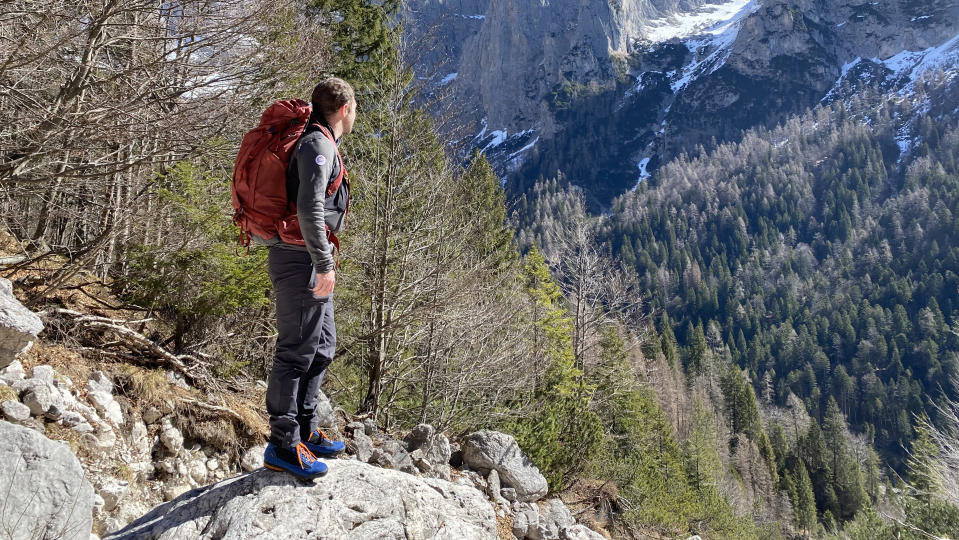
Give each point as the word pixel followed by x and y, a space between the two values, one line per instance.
pixel 605 91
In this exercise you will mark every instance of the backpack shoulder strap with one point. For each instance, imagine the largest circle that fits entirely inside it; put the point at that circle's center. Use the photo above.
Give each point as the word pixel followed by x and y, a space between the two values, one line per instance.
pixel 335 183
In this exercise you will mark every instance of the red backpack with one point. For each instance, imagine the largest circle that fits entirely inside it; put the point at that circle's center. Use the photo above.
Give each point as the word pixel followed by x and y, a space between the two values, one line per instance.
pixel 260 204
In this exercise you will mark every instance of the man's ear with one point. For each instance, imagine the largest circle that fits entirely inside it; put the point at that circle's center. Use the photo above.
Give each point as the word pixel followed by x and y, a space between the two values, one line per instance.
pixel 345 109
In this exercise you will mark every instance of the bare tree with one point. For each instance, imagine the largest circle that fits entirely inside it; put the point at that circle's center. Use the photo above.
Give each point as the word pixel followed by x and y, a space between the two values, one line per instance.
pixel 594 283
pixel 102 97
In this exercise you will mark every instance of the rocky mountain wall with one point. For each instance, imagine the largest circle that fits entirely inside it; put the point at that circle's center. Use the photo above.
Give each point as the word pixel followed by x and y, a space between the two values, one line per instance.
pixel 546 82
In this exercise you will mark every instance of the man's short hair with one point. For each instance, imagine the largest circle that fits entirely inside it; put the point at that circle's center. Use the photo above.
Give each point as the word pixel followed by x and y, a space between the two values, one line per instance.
pixel 330 95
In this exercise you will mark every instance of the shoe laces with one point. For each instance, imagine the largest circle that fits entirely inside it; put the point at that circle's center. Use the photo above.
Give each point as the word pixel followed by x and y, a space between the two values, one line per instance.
pixel 304 455
pixel 322 436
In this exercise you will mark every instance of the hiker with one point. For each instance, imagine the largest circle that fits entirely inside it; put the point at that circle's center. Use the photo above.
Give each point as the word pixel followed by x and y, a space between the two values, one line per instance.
pixel 303 278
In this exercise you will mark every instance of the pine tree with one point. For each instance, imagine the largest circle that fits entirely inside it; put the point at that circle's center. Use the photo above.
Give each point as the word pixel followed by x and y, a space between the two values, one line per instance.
pixel 667 340
pixel 364 35
pixel 923 475
pixel 804 505
pixel 696 359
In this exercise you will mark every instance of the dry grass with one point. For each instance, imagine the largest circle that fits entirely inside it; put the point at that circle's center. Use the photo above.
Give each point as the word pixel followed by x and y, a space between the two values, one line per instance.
pixel 72 437
pixel 592 502
pixel 504 527
pixel 64 361
pixel 225 433
pixel 144 386
pixel 123 472
pixel 9 246
pixel 7 393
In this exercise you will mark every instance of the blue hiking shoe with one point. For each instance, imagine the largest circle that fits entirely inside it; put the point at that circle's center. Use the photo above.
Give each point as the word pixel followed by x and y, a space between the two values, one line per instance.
pixel 321 445
pixel 297 460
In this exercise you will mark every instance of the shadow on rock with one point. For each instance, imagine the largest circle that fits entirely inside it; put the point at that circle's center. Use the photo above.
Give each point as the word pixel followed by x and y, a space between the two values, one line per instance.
pixel 198 505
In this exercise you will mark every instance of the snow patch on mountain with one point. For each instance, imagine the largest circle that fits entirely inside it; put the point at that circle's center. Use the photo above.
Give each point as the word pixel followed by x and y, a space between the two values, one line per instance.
pixel 643 173
pixel 447 79
pixel 708 34
pixel 916 64
pixel 710 19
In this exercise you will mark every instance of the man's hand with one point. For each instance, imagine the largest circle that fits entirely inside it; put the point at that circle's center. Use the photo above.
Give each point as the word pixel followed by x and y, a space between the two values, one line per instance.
pixel 325 283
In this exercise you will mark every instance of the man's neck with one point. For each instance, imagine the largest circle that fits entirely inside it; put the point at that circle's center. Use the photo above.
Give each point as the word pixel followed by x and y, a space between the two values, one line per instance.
pixel 336 129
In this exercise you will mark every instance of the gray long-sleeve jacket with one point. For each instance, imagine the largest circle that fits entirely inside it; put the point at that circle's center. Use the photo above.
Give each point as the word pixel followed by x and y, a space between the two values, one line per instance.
pixel 313 164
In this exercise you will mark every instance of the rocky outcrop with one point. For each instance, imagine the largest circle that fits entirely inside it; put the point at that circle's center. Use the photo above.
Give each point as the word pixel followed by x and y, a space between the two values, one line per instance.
pixel 135 456
pixel 18 325
pixel 45 494
pixel 492 450
pixel 354 500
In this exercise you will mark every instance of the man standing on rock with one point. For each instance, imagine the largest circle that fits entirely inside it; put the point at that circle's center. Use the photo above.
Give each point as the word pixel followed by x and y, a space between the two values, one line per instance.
pixel 303 279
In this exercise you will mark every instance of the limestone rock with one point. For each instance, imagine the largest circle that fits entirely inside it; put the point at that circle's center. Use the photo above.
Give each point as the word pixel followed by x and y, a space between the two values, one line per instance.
pixel 18 325
pixel 76 422
pixel 525 519
pixel 488 450
pixel 354 500
pixel 112 492
pixel 440 450
pixel 553 518
pixel 580 532
pixel 106 406
pixel 152 416
pixel 198 471
pixel 364 446
pixel 13 373
pixel 421 435
pixel 15 411
pixel 44 373
pixel 45 492
pixel 172 492
pixel 324 412
pixel 140 438
pixel 493 485
pixel 521 523
pixel 171 437
pixel 99 382
pixel 253 458
pixel 398 458
pixel 36 394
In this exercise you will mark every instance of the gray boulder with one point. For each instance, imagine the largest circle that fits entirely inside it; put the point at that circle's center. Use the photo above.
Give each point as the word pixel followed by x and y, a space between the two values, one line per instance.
pixel 108 407
pixel 44 373
pixel 522 521
pixel 580 532
pixel 44 491
pixel 42 397
pixel 487 450
pixel 363 445
pixel 420 436
pixel 18 325
pixel 99 382
pixel 439 452
pixel 13 373
pixel 553 518
pixel 15 411
pixel 253 458
pixel 354 500
pixel 171 437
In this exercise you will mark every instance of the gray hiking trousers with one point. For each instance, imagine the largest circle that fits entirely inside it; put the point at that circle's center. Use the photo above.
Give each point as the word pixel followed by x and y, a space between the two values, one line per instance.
pixel 305 345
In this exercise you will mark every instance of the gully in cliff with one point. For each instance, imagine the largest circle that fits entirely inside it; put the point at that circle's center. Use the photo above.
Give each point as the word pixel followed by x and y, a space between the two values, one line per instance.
pixel 295 205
